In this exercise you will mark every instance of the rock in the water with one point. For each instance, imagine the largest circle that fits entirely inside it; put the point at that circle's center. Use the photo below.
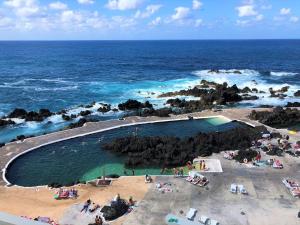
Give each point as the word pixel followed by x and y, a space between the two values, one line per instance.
pixel 105 108
pixel 85 113
pixel 278 93
pixel 21 137
pixel 45 113
pixel 246 90
pixel 249 97
pixel 80 123
pixel 163 112
pixel 214 71
pixel 297 93
pixel 30 116
pixel 6 122
pixel 33 116
pixel 18 113
pixel 237 72
pixel 66 117
pixel 293 104
pixel 134 105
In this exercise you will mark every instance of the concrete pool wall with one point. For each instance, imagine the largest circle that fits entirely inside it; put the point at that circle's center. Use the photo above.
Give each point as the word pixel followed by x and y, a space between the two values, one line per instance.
pixel 97 127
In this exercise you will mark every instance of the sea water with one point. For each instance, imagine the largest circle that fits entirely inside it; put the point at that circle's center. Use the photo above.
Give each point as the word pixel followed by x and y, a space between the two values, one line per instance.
pixel 64 74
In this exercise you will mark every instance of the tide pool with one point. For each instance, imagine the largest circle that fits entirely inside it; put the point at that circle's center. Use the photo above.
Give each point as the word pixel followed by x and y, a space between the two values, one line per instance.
pixel 82 158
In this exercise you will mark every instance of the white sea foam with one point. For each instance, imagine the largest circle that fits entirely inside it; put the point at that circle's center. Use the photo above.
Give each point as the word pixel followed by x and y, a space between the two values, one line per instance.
pixel 17 120
pixel 252 79
pixel 55 80
pixel 32 125
pixel 67 88
pixel 54 119
pixel 281 74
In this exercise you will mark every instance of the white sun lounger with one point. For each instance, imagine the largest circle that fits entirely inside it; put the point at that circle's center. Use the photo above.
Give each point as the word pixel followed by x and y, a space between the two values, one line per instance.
pixel 191 214
pixel 204 220
pixel 242 189
pixel 175 220
pixel 233 188
pixel 214 222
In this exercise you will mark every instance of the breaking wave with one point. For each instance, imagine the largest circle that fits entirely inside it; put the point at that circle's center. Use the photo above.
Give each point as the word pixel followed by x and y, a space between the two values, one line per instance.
pixel 282 74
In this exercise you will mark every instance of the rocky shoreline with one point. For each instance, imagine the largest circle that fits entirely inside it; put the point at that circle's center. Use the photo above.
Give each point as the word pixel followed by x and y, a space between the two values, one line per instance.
pixel 209 95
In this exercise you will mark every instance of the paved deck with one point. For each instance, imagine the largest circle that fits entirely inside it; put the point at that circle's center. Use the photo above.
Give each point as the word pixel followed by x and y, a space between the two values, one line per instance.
pixel 268 202
pixel 12 150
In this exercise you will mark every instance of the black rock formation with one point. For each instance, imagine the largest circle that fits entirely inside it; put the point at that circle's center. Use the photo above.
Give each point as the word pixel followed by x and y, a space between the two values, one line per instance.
pixel 105 108
pixel 115 210
pixel 85 113
pixel 66 117
pixel 134 105
pixel 80 123
pixel 278 118
pixel 173 151
pixel 6 122
pixel 30 116
pixel 18 113
pixel 245 154
pixel 293 104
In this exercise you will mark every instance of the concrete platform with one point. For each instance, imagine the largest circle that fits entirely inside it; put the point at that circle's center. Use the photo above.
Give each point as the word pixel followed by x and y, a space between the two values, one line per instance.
pixel 13 150
pixel 268 201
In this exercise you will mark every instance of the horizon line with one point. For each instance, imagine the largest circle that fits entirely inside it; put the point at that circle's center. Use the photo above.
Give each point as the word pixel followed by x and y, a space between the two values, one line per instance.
pixel 212 39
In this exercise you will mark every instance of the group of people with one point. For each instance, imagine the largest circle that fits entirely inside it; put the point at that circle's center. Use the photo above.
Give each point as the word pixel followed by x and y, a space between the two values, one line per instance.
pixel 65 193
pixel 90 206
pixel 117 198
pixel 284 143
pixel 98 221
pixel 178 172
pixel 202 165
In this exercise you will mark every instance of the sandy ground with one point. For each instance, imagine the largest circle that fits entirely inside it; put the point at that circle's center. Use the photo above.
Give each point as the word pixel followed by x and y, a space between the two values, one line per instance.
pixel 39 202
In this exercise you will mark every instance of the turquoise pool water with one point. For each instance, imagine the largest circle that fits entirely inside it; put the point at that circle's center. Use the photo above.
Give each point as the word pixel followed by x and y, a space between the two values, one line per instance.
pixel 82 159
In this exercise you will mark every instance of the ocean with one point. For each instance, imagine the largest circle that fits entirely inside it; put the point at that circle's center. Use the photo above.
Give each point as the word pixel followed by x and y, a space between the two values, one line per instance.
pixel 65 74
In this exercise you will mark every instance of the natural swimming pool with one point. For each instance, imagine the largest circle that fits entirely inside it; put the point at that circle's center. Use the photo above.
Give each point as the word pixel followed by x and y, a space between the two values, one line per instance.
pixel 82 158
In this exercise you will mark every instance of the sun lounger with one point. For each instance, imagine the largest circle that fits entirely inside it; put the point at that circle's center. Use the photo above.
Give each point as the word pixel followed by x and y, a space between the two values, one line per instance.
pixel 196 180
pixel 176 220
pixel 242 189
pixel 44 219
pixel 277 164
pixel 292 186
pixel 191 214
pixel 202 183
pixel 289 183
pixel 189 179
pixel 204 220
pixel 233 188
pixel 214 222
pixel 295 192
